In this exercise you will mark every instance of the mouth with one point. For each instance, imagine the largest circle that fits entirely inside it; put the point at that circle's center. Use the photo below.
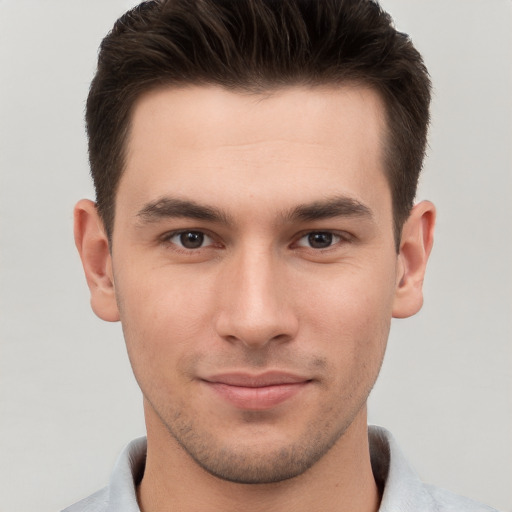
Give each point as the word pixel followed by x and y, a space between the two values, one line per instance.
pixel 257 392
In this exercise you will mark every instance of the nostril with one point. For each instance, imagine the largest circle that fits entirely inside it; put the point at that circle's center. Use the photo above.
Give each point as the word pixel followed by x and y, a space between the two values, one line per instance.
pixel 254 340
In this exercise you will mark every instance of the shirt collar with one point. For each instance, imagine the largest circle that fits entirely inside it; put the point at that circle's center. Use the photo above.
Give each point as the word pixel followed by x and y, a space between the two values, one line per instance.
pixel 400 486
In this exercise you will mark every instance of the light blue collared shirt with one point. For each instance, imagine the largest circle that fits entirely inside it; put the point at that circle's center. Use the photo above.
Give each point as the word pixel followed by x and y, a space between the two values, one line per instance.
pixel 403 491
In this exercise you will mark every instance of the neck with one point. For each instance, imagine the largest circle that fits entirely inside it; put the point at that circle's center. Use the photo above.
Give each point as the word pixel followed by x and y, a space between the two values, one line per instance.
pixel 341 481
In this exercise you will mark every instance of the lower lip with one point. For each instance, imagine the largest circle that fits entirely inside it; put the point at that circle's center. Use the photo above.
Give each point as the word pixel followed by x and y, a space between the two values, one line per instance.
pixel 257 399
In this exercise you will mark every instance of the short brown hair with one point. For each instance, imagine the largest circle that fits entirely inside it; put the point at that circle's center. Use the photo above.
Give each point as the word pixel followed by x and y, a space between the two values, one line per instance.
pixel 257 45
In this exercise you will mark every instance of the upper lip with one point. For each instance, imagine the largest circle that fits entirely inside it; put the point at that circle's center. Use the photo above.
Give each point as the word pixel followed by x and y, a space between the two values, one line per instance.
pixel 248 380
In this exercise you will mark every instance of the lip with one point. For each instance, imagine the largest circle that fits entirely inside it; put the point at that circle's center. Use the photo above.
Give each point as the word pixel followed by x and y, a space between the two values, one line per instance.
pixel 256 392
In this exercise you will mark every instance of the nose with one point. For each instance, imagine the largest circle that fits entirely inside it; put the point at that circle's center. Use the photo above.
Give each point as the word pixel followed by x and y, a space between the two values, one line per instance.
pixel 255 304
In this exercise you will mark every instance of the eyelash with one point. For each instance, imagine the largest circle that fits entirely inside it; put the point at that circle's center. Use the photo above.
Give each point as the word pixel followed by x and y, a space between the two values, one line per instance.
pixel 167 239
pixel 339 237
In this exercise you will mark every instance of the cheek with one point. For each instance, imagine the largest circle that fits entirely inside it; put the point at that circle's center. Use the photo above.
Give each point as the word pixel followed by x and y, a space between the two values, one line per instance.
pixel 351 316
pixel 163 320
pixel 354 299
pixel 164 300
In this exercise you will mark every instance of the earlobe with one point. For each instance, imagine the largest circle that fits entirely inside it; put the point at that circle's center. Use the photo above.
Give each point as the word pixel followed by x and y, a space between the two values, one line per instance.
pixel 415 246
pixel 92 244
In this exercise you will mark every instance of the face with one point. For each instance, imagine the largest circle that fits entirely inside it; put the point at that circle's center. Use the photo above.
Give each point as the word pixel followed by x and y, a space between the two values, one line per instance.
pixel 255 270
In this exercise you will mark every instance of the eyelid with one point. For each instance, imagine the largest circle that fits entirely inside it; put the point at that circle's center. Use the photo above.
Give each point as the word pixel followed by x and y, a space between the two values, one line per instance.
pixel 167 237
pixel 343 236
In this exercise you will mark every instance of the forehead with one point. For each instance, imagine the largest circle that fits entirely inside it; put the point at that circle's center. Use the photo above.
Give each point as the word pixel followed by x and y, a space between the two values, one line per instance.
pixel 212 115
pixel 287 143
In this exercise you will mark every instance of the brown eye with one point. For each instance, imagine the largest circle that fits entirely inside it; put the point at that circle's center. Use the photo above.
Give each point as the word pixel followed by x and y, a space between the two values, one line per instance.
pixel 190 239
pixel 319 240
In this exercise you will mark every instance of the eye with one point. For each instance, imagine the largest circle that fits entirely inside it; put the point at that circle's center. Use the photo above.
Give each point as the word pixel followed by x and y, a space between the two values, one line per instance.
pixel 319 240
pixel 190 239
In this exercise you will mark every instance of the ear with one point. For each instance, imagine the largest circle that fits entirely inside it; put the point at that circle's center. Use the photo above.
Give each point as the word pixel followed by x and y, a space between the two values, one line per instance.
pixel 92 244
pixel 415 246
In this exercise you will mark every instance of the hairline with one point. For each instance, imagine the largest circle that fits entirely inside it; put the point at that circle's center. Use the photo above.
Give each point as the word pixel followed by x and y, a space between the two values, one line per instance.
pixel 265 89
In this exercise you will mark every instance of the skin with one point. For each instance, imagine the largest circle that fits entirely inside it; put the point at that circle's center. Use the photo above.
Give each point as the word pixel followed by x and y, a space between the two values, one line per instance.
pixel 254 234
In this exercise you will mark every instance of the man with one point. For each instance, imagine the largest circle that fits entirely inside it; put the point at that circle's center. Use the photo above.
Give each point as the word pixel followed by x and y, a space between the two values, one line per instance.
pixel 255 165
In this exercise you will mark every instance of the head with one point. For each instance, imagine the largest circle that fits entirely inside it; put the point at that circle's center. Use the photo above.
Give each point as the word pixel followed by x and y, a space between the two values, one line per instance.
pixel 258 46
pixel 255 164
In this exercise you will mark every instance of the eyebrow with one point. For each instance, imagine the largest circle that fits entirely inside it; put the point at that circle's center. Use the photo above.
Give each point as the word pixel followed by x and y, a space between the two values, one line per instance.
pixel 170 207
pixel 338 206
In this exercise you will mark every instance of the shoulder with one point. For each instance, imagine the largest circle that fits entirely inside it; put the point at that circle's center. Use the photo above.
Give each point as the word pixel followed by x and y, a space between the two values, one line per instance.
pixel 402 489
pixel 96 502
pixel 120 495
pixel 446 501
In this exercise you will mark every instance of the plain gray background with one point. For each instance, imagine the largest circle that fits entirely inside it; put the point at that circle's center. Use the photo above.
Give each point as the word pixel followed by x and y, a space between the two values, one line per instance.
pixel 68 401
